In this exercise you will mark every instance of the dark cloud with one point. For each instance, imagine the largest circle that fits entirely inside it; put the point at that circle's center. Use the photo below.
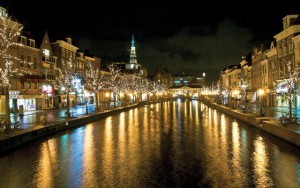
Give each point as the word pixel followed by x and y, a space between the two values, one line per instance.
pixel 191 36
pixel 185 51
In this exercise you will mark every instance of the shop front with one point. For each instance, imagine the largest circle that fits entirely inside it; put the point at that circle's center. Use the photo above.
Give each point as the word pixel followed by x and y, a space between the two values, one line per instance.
pixel 281 95
pixel 47 92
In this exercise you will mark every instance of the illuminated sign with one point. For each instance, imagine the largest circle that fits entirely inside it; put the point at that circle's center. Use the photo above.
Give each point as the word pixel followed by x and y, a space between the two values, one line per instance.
pixel 47 89
pixel 14 94
pixel 282 88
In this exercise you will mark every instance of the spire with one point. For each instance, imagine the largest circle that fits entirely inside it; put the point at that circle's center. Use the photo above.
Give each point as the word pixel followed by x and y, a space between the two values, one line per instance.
pixel 132 52
pixel 132 41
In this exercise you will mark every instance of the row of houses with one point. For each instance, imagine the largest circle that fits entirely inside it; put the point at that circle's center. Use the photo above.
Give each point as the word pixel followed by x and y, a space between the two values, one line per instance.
pixel 264 69
pixel 34 90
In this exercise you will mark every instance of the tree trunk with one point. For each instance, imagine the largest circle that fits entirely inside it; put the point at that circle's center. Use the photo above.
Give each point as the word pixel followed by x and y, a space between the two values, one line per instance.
pixel 245 97
pixel 115 98
pixel 96 101
pixel 8 122
pixel 290 108
pixel 68 105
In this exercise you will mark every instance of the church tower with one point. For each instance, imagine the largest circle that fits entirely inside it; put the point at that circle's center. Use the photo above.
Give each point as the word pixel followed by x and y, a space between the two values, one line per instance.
pixel 132 52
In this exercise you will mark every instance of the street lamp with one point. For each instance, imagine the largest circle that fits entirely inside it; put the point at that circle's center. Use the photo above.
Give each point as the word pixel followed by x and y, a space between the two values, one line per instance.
pixel 261 92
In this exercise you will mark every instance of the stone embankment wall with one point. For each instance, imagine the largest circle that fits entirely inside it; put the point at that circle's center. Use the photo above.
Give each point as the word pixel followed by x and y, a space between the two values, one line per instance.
pixel 268 124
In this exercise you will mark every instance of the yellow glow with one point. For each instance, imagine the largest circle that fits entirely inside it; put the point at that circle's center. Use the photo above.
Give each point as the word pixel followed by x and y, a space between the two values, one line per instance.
pixel 261 92
pixel 89 159
pixel 47 165
pixel 261 164
pixel 107 94
pixel 86 94
pixel 235 92
pixel 121 94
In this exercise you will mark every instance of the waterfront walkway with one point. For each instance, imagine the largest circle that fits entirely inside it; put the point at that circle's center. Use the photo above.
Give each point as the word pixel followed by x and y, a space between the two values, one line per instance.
pixel 31 120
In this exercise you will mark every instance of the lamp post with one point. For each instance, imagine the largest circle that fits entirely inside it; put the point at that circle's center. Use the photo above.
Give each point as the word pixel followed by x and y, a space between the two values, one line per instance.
pixel 261 92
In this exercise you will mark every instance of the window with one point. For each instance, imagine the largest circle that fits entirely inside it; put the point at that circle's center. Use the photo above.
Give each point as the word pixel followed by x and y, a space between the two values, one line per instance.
pixel 29 85
pixel 22 58
pixel 22 40
pixel 34 63
pixel 31 43
pixel 46 53
pixel 28 61
pixel 51 69
pixel 291 46
pixel 284 50
pixel 22 85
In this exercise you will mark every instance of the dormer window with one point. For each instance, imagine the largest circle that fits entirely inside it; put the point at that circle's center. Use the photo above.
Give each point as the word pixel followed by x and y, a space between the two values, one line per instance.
pixel 31 43
pixel 22 40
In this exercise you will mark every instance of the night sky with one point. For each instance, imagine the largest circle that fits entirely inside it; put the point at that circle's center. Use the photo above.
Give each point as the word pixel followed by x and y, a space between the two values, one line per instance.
pixel 190 36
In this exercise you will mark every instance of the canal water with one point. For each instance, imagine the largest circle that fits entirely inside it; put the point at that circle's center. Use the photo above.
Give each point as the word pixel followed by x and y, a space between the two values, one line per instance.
pixel 170 144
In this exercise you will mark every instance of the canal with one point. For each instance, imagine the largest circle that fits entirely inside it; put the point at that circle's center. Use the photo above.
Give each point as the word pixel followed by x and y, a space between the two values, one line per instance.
pixel 170 144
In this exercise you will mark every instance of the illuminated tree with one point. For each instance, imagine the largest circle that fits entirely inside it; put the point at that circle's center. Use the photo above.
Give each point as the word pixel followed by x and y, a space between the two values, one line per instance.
pixel 9 31
pixel 290 80
pixel 244 84
pixel 114 82
pixel 135 84
pixel 65 80
pixel 157 87
pixel 94 80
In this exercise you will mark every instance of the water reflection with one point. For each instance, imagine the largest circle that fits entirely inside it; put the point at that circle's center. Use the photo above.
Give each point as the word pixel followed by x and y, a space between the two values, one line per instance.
pixel 89 158
pixel 261 164
pixel 47 165
pixel 169 144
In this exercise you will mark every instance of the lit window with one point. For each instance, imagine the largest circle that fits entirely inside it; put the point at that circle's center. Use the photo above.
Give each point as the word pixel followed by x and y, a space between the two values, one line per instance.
pixel 46 52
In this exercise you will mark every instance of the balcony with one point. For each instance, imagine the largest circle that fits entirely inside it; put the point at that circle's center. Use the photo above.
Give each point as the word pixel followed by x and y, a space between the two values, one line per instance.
pixel 49 59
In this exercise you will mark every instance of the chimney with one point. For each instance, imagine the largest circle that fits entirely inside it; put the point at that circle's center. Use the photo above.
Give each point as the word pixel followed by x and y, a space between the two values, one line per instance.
pixel 80 54
pixel 69 40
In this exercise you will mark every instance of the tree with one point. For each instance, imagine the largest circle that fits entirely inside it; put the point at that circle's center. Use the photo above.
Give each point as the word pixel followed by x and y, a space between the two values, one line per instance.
pixel 244 84
pixel 114 81
pixel 9 31
pixel 290 80
pixel 94 80
pixel 65 80
pixel 157 87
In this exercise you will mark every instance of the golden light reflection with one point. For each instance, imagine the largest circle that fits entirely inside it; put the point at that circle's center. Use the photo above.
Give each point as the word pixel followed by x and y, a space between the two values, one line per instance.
pixel 223 134
pixel 47 165
pixel 215 117
pixel 197 113
pixel 191 114
pixel 261 164
pixel 236 160
pixel 122 144
pixel 89 160
pixel 108 147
